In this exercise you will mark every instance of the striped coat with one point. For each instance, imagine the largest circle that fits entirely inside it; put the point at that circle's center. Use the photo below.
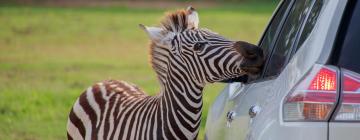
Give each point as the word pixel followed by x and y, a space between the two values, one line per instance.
pixel 184 58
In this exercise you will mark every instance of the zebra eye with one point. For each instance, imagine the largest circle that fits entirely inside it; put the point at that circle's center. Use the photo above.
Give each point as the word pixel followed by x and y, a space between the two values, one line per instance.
pixel 199 46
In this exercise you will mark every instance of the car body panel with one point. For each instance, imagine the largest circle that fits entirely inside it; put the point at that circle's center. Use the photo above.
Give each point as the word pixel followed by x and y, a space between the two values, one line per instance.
pixel 344 131
pixel 269 93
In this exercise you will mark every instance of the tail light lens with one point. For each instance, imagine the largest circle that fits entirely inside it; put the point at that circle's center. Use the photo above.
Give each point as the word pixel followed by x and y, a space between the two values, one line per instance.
pixel 350 103
pixel 314 97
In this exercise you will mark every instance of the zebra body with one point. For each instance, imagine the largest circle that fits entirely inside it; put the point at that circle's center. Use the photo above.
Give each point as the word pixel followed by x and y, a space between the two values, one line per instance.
pixel 184 58
pixel 118 110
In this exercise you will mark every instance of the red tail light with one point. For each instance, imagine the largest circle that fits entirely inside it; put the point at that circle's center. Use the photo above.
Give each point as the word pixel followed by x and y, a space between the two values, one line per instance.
pixel 314 97
pixel 325 80
pixel 350 103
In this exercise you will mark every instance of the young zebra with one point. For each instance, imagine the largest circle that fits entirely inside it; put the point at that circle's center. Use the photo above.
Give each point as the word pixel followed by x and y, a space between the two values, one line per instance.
pixel 184 58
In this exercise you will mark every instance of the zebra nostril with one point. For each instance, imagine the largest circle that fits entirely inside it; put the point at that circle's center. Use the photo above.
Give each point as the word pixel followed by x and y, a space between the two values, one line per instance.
pixel 248 50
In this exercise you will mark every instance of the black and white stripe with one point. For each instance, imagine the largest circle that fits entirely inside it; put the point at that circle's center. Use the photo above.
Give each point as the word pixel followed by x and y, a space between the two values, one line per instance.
pixel 185 58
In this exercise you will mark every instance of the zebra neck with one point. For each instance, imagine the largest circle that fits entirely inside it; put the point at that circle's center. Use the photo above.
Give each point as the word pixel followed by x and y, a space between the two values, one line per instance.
pixel 178 86
pixel 179 83
pixel 181 103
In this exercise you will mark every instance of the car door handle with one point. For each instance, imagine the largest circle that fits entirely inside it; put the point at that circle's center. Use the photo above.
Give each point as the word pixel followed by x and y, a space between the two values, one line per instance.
pixel 230 117
pixel 254 110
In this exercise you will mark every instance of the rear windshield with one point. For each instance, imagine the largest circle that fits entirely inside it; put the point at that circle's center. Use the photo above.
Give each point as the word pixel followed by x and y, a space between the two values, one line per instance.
pixel 349 57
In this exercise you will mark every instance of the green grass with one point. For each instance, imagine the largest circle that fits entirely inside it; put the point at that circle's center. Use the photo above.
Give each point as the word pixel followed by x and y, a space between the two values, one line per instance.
pixel 48 56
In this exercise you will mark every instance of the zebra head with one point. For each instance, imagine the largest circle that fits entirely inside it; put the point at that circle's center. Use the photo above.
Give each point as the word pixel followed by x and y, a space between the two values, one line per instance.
pixel 205 55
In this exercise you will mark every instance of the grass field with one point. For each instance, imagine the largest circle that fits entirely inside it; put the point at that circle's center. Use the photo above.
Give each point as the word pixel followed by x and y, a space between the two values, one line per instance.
pixel 49 55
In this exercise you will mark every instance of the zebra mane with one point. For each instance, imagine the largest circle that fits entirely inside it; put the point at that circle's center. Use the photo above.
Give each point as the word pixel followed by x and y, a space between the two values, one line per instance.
pixel 159 58
pixel 175 21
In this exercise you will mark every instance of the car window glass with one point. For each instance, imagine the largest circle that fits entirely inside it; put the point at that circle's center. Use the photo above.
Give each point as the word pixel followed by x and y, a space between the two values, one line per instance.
pixel 349 53
pixel 282 50
pixel 310 22
pixel 274 28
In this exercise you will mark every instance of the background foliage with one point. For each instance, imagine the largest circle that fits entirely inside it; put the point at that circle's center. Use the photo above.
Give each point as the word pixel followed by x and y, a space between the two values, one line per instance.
pixel 45 1
pixel 50 54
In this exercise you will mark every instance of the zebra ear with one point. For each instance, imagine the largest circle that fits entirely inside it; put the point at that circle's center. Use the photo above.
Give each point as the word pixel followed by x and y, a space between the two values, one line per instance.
pixel 192 18
pixel 157 35
pixel 154 33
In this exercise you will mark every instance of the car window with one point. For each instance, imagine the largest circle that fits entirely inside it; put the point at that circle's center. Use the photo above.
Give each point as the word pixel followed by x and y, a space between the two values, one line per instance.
pixel 269 37
pixel 349 54
pixel 287 37
pixel 274 27
pixel 310 22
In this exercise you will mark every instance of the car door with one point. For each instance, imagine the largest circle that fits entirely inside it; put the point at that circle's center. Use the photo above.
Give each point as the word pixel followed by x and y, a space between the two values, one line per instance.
pixel 217 125
pixel 281 39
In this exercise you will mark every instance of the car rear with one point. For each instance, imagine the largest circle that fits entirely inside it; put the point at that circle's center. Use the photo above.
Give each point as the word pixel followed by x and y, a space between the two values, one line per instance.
pixel 315 97
pixel 330 92
pixel 345 120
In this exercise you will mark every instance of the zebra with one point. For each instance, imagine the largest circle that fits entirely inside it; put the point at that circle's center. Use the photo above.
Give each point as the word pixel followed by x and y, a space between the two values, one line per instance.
pixel 185 58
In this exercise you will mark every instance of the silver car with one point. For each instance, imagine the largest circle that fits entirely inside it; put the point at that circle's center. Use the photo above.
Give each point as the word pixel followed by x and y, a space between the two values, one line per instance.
pixel 310 85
